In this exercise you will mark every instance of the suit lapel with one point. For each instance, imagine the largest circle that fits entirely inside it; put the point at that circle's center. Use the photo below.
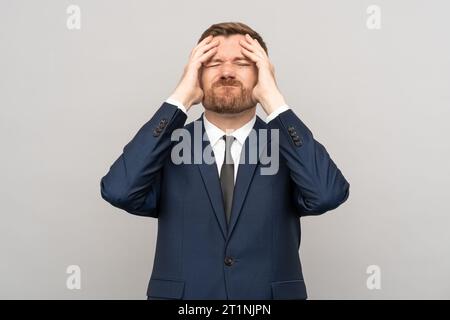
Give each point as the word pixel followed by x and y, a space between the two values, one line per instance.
pixel 210 177
pixel 246 171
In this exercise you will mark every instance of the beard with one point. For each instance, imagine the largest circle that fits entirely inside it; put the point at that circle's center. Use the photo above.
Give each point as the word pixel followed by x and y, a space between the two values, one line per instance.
pixel 233 99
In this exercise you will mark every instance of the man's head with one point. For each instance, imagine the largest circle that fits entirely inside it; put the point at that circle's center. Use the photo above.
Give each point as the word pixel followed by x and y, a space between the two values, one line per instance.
pixel 228 78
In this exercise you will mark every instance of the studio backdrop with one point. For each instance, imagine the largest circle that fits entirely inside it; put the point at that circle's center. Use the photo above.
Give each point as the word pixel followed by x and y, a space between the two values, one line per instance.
pixel 79 78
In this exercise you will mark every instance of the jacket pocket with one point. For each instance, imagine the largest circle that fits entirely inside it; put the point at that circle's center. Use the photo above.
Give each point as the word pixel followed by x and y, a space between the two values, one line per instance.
pixel 165 288
pixel 289 290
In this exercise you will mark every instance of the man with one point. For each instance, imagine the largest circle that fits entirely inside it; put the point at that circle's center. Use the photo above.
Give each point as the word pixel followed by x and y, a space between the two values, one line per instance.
pixel 226 230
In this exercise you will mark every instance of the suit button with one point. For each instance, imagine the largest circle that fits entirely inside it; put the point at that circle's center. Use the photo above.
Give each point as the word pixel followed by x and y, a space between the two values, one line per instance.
pixel 291 128
pixel 229 261
pixel 293 133
pixel 161 125
pixel 163 120
pixel 296 138
pixel 298 143
pixel 156 133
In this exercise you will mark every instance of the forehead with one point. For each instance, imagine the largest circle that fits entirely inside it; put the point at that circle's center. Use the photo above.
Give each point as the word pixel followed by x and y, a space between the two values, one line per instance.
pixel 229 47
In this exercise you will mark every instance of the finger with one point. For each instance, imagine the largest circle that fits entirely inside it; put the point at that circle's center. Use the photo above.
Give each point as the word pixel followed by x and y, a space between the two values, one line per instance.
pixel 202 43
pixel 205 48
pixel 251 55
pixel 199 54
pixel 248 38
pixel 251 47
pixel 207 55
pixel 246 45
pixel 255 43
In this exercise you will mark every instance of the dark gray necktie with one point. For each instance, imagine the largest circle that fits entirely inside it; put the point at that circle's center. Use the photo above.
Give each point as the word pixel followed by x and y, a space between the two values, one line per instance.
pixel 227 177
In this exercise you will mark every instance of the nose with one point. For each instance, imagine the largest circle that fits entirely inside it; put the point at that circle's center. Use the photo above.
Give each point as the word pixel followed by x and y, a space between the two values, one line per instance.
pixel 227 72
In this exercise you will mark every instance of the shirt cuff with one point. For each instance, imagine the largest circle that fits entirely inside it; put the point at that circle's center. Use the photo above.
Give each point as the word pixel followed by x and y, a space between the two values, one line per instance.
pixel 276 112
pixel 177 103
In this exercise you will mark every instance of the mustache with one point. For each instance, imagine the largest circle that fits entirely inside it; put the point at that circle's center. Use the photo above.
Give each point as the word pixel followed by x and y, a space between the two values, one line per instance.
pixel 229 82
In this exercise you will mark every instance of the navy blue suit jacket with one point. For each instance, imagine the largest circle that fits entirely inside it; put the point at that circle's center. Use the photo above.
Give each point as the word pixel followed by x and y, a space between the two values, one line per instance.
pixel 197 255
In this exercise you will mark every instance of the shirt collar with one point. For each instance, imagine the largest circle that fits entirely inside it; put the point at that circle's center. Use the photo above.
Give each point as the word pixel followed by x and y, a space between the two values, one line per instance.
pixel 215 134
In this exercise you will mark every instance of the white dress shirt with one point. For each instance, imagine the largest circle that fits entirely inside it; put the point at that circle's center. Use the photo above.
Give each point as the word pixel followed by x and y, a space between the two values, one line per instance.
pixel 215 135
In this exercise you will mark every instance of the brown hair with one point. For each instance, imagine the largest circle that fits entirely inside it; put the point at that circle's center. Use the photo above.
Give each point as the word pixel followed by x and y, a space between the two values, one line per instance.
pixel 230 28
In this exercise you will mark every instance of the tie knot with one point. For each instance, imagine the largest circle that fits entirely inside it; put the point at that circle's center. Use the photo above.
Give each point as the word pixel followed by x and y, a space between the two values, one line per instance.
pixel 228 142
pixel 228 139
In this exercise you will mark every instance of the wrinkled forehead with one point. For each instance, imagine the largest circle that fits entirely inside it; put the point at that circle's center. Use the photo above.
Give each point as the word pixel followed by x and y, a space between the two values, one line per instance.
pixel 229 48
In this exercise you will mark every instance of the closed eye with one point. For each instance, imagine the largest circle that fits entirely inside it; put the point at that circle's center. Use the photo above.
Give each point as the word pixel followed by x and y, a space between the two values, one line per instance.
pixel 239 64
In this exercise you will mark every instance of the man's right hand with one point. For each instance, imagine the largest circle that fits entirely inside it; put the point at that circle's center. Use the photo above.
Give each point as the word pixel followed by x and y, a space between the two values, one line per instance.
pixel 188 90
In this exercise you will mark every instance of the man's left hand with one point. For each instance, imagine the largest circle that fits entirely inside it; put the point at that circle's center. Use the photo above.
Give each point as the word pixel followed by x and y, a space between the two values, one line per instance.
pixel 266 90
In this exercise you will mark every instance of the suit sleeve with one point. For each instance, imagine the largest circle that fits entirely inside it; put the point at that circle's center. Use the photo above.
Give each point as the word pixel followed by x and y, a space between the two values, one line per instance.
pixel 133 181
pixel 319 185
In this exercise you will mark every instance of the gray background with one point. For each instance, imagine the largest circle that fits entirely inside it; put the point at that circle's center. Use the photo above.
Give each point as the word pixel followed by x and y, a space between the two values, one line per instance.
pixel 377 99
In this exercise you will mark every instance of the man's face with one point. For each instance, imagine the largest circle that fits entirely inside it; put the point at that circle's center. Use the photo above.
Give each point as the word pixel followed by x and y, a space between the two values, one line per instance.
pixel 228 78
